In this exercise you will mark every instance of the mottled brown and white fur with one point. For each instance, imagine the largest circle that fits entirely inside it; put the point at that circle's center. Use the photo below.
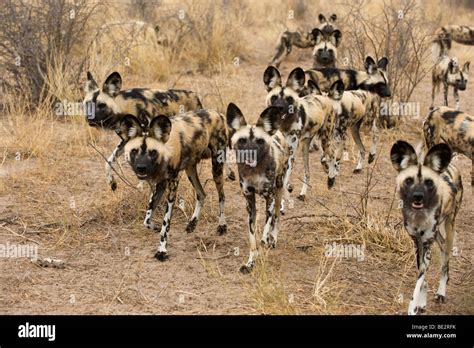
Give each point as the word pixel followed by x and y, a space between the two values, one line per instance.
pixel 430 190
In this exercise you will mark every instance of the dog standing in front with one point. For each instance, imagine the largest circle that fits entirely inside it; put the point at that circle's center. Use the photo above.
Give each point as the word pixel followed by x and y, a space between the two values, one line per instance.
pixel 158 153
pixel 431 192
pixel 263 175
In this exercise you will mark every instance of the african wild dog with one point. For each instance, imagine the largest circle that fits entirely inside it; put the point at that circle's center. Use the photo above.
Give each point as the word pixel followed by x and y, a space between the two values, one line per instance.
pixel 446 71
pixel 325 48
pixel 327 26
pixel 107 106
pixel 159 152
pixel 303 117
pixel 263 176
pixel 431 191
pixel 373 80
pixel 455 128
pixel 445 35
pixel 356 108
pixel 288 39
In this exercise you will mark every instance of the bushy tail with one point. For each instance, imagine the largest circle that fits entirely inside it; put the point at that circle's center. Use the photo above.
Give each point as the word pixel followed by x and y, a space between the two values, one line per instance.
pixel 441 44
pixel 438 49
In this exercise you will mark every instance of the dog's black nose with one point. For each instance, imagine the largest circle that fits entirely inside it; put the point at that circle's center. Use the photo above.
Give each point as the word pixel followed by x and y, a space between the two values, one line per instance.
pixel 141 169
pixel 418 196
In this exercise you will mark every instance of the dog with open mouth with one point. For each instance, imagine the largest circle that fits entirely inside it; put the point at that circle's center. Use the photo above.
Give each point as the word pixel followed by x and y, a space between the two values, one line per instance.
pixel 430 191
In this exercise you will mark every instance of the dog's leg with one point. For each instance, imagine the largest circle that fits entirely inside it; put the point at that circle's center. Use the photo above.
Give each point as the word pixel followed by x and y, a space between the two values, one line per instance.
pixel 269 212
pixel 445 85
pixel 276 211
pixel 218 176
pixel 305 149
pixel 292 140
pixel 375 140
pixel 228 169
pixel 446 245
pixel 281 52
pixel 162 253
pixel 355 131
pixel 434 87
pixel 200 196
pixel 118 151
pixel 315 144
pixel 155 197
pixel 456 98
pixel 252 213
pixel 423 253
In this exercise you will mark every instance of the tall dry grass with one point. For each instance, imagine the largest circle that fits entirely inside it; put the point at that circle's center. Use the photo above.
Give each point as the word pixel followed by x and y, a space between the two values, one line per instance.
pixel 206 41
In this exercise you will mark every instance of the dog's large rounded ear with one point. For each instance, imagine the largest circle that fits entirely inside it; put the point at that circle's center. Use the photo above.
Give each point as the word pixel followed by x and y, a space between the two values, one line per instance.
pixel 321 18
pixel 129 128
pixel 382 63
pixel 337 37
pixel 296 80
pixel 465 68
pixel 337 90
pixel 235 118
pixel 438 157
pixel 370 65
pixel 113 84
pixel 91 85
pixel 333 18
pixel 317 35
pixel 270 119
pixel 403 155
pixel 160 128
pixel 271 78
pixel 313 87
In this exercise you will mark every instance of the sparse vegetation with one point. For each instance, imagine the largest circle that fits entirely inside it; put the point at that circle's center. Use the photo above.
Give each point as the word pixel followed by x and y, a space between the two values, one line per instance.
pixel 52 183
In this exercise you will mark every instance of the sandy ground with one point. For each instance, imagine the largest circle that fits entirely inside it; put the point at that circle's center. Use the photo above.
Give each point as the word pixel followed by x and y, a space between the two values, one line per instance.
pixel 64 206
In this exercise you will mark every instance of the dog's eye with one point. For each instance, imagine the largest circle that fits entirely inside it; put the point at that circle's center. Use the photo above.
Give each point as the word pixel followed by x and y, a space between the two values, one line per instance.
pixel 290 100
pixel 153 153
pixel 260 141
pixel 429 182
pixel 409 181
pixel 242 141
pixel 134 152
pixel 273 98
pixel 101 105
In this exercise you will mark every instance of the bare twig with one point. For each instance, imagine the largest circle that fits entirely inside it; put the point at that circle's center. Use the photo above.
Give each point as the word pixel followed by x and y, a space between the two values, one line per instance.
pixel 116 172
